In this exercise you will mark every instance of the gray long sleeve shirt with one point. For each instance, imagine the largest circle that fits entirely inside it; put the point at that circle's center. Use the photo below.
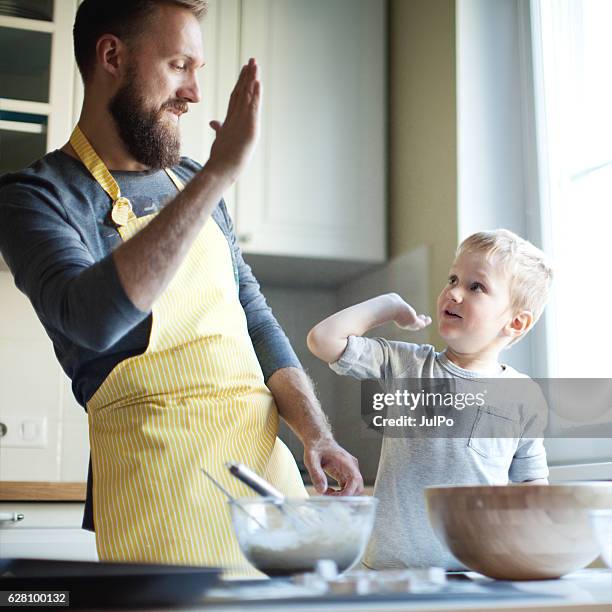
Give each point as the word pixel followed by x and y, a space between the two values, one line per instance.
pixel 56 237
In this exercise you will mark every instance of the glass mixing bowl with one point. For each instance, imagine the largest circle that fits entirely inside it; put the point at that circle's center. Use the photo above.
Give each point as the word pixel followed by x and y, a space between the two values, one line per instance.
pixel 289 538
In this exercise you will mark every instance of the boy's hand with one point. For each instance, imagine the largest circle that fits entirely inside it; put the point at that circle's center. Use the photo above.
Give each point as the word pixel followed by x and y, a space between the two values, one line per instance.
pixel 407 318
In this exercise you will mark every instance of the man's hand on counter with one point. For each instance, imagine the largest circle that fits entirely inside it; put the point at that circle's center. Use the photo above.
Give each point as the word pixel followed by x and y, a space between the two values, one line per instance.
pixel 327 456
pixel 297 403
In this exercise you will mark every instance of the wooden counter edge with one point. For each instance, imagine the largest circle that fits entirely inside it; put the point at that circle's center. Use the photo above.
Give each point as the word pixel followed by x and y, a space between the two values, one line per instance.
pixel 63 491
pixel 42 491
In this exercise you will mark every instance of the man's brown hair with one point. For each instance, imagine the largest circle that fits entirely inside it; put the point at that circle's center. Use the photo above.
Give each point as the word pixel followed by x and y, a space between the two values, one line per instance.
pixel 126 19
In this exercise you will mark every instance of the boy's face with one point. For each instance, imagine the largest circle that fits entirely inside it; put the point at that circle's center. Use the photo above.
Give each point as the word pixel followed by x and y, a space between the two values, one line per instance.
pixel 474 307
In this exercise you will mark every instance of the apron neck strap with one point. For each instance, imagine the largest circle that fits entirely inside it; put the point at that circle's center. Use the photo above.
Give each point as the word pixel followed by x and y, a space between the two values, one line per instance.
pixel 94 164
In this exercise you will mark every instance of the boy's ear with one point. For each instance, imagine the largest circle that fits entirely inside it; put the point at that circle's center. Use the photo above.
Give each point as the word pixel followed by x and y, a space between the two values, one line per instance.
pixel 519 325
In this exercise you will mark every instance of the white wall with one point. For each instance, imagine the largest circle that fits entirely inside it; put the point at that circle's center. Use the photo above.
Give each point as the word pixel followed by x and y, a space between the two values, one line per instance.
pixel 491 122
pixel 489 111
pixel 32 386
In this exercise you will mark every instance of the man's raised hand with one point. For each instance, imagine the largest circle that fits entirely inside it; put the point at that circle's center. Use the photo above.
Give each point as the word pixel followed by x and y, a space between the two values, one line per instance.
pixel 237 136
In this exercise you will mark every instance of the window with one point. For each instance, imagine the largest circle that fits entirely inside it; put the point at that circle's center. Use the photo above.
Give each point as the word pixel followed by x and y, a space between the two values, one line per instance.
pixel 572 48
pixel 574 96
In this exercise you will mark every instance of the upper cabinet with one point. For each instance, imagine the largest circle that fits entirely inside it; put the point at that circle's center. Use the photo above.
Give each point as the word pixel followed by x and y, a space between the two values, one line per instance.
pixel 36 79
pixel 315 187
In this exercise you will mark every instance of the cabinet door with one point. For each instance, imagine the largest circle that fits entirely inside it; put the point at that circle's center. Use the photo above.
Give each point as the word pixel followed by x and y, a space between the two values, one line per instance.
pixel 58 543
pixel 36 79
pixel 45 531
pixel 315 187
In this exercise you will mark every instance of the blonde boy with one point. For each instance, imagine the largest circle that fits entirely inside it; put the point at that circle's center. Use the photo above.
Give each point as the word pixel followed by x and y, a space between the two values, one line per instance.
pixel 497 289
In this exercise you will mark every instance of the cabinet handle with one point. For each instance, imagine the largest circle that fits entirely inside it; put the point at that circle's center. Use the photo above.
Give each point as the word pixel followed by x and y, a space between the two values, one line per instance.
pixel 12 517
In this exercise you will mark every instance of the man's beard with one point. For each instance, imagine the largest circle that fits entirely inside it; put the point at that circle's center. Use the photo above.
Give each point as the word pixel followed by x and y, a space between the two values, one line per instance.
pixel 149 140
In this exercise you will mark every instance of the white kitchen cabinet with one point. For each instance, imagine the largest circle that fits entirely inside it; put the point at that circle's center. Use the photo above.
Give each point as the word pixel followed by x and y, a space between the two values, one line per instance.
pixel 37 75
pixel 315 187
pixel 46 531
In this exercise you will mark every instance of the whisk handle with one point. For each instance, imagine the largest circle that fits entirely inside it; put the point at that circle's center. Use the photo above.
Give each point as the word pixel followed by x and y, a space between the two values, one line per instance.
pixel 254 481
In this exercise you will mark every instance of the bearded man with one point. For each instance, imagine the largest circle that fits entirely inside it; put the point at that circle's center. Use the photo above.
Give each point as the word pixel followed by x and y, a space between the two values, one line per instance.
pixel 128 255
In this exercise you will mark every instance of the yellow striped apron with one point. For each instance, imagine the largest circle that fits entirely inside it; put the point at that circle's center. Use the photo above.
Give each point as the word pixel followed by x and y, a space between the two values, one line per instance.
pixel 195 398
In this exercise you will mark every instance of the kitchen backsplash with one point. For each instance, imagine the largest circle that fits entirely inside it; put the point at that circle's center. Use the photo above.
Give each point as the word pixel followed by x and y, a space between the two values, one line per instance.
pixel 35 396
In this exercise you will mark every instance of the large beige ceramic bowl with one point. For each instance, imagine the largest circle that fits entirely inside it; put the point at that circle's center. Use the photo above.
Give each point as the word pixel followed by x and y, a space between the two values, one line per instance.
pixel 519 532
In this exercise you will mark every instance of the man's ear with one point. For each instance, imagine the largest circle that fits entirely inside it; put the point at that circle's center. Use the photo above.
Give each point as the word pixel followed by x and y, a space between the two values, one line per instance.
pixel 519 325
pixel 110 53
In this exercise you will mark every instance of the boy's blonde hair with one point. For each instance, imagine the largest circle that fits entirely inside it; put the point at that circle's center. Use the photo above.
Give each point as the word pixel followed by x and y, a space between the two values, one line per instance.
pixel 530 271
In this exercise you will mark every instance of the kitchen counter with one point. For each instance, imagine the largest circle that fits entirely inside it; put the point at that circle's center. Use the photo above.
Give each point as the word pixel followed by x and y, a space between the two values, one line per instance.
pixel 42 491
pixel 588 590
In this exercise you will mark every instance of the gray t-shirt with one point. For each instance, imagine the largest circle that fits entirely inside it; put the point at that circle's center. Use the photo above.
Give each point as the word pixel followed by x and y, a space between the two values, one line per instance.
pixel 402 535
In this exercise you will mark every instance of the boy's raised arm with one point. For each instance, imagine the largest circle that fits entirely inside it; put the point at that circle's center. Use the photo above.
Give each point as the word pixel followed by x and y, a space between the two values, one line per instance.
pixel 327 340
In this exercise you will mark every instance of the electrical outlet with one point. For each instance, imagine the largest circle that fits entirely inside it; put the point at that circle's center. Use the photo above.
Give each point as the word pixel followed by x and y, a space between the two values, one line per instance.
pixel 21 432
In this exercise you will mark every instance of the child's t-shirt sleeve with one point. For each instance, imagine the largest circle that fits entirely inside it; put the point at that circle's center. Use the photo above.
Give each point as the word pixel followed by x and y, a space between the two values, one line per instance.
pixel 363 358
pixel 377 358
pixel 529 461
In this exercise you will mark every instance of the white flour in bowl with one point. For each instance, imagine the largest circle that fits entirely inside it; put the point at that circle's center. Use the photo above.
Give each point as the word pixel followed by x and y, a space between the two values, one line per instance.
pixel 307 536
